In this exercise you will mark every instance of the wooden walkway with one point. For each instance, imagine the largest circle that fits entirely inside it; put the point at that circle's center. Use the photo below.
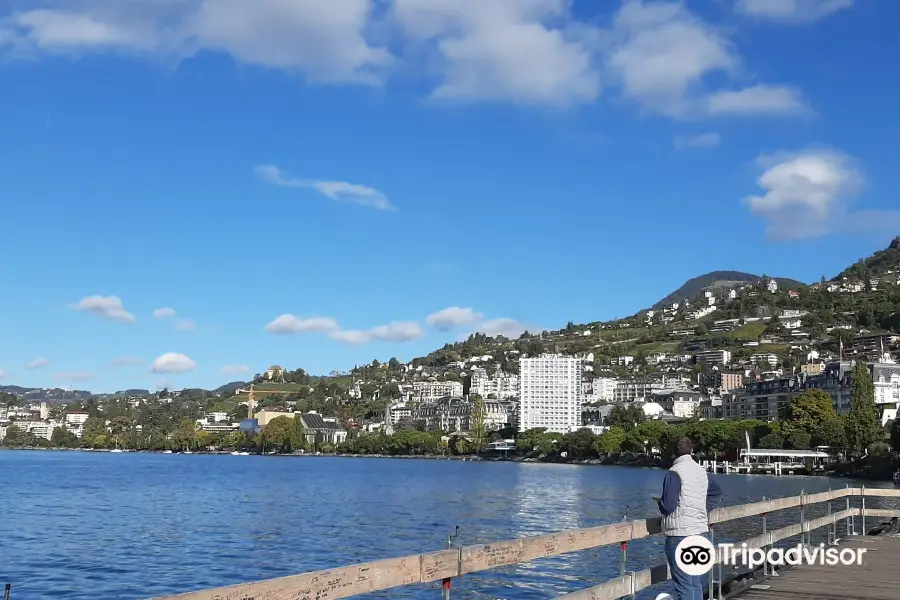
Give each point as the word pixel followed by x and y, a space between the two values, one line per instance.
pixel 877 579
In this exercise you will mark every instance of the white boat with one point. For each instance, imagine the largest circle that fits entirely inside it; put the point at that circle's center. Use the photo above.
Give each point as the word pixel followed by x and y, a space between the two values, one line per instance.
pixel 235 453
pixel 245 454
pixel 167 452
pixel 116 450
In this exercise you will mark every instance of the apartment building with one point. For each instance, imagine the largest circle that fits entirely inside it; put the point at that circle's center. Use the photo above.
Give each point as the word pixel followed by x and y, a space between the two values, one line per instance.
pixel 766 400
pixel 432 391
pixel 635 388
pixel 714 357
pixel 550 392
pixel 764 358
pixel 726 381
pixel 679 402
pixel 501 386
pixel 450 415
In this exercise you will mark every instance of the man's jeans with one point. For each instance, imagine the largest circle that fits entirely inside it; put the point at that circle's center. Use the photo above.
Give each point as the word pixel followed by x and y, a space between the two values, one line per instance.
pixel 687 587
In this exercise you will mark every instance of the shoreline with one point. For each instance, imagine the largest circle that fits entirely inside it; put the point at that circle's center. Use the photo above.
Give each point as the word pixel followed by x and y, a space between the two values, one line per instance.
pixel 632 462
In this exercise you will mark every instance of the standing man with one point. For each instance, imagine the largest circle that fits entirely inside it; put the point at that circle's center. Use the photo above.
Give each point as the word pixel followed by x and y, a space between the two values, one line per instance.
pixel 687 497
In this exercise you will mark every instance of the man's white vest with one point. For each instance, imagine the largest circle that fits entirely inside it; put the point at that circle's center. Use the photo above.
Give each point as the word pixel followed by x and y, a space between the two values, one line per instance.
pixel 690 516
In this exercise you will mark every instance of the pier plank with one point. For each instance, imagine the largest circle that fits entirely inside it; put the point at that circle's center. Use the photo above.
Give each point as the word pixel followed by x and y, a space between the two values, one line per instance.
pixel 875 579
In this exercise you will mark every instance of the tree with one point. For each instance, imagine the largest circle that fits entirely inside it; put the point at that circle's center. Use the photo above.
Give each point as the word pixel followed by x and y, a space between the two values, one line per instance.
pixel 813 412
pixel 810 407
pixel 94 433
pixel 702 329
pixel 15 436
pixel 863 428
pixel 625 417
pixel 895 435
pixel 185 435
pixel 476 425
pixel 61 438
pixel 8 400
pixel 280 434
pixel 610 441
pixel 579 443
pixel 771 441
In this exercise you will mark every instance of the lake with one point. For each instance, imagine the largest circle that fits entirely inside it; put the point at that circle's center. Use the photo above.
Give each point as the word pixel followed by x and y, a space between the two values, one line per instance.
pixel 101 526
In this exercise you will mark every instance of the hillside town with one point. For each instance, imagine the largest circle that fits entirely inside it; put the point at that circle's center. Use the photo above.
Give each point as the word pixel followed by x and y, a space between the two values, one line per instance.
pixel 737 351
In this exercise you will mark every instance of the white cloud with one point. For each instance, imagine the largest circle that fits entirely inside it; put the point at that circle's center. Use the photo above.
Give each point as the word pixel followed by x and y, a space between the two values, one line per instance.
pixel 339 191
pixel 807 194
pixel 483 49
pixel 37 363
pixel 325 41
pixel 235 369
pixel 757 100
pixel 508 328
pixel 172 362
pixel 72 376
pixel 3 373
pixel 704 140
pixel 185 325
pixel 454 316
pixel 791 11
pixel 403 331
pixel 664 53
pixel 164 313
pixel 124 360
pixel 107 307
pixel 288 323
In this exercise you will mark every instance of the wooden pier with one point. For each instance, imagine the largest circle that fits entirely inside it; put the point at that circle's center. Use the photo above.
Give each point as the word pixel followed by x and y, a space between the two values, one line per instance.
pixel 876 579
pixel 797 582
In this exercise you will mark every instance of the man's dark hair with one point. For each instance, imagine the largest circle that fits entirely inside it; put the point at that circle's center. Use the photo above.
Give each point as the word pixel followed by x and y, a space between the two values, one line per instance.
pixel 684 446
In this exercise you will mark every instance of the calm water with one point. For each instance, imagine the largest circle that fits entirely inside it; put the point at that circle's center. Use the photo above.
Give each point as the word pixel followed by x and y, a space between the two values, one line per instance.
pixel 99 526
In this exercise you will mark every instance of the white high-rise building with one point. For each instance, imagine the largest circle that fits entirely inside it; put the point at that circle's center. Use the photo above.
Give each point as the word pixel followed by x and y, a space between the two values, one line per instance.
pixel 550 393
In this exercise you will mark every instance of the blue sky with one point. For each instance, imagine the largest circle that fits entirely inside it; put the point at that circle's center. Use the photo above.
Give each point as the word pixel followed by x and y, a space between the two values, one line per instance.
pixel 319 184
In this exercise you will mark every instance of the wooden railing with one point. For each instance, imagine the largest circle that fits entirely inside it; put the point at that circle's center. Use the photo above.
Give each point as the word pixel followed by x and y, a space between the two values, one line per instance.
pixel 444 565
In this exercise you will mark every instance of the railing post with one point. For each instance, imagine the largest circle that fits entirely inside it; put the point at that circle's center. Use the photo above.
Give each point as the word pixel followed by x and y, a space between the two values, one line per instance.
pixel 829 532
pixel 6 591
pixel 847 518
pixel 863 494
pixel 631 581
pixel 765 563
pixel 712 538
pixel 802 519
pixel 851 522
pixel 446 583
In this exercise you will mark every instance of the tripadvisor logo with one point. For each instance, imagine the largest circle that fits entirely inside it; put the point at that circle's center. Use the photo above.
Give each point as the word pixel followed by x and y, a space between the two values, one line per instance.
pixel 695 555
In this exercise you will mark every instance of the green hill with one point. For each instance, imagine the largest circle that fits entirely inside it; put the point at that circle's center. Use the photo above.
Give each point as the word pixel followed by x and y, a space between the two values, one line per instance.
pixel 717 280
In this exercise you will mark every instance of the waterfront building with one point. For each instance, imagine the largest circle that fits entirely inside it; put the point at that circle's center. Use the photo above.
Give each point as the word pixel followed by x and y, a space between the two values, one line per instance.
pixel 550 393
pixel 452 415
pixel 321 430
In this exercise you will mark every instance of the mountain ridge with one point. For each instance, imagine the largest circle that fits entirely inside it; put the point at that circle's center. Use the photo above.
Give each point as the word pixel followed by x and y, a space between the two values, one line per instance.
pixel 697 285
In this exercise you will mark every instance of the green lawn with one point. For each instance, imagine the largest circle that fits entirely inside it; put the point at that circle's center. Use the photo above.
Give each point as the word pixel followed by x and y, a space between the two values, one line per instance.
pixel 749 332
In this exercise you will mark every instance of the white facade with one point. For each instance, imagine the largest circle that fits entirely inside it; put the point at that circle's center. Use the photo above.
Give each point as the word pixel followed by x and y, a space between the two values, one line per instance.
pixel 76 418
pixel 502 386
pixel 605 388
pixel 432 391
pixel 550 393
